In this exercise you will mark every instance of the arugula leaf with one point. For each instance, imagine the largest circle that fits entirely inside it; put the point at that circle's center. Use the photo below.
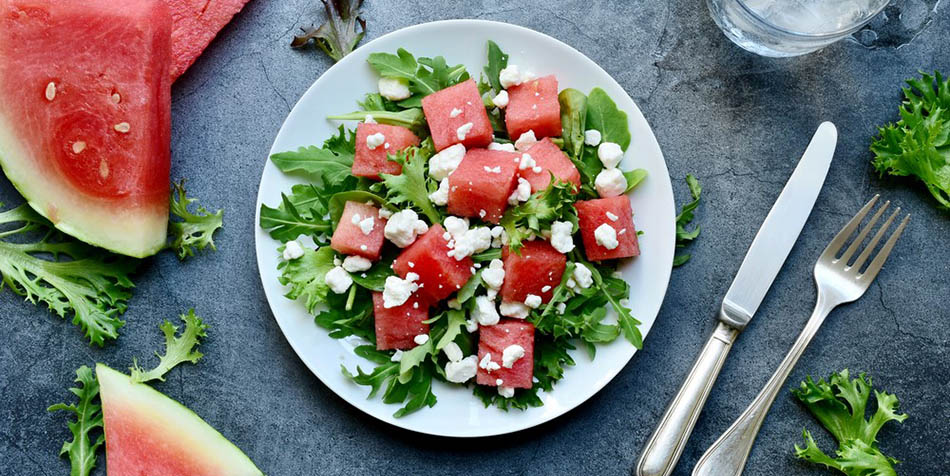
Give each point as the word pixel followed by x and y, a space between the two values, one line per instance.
pixel 375 277
pixel 684 236
pixel 425 76
pixel 840 405
pixel 194 231
pixel 82 449
pixel 411 185
pixel 412 385
pixel 555 203
pixel 301 213
pixel 454 326
pixel 306 276
pixel 331 163
pixel 604 116
pixel 376 102
pixel 497 61
pixel 338 202
pixel 634 177
pixel 411 118
pixel 68 276
pixel 470 287
pixel 573 121
pixel 337 37
pixel 342 322
pixel 918 144
pixel 178 349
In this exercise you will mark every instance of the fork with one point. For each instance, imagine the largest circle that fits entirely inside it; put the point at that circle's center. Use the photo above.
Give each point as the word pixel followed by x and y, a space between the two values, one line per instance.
pixel 838 283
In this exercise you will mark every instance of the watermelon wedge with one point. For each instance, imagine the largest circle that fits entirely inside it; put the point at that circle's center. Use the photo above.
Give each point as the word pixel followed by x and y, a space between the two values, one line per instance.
pixel 85 116
pixel 148 433
pixel 194 24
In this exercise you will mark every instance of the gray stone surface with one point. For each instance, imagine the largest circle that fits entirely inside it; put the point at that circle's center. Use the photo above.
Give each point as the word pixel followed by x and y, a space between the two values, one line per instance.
pixel 737 121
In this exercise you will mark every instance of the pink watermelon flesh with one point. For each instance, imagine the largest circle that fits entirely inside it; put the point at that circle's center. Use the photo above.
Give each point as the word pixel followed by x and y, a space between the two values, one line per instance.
pixel 438 109
pixel 195 24
pixel 85 116
pixel 349 239
pixel 439 274
pixel 482 183
pixel 593 213
pixel 370 163
pixel 552 161
pixel 538 266
pixel 494 340
pixel 396 327
pixel 149 434
pixel 534 106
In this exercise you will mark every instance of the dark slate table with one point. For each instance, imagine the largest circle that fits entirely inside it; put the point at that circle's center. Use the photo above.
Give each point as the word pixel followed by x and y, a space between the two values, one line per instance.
pixel 737 121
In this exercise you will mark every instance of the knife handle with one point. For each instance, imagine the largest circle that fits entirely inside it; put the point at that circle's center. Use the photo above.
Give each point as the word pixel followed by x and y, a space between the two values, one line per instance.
pixel 665 446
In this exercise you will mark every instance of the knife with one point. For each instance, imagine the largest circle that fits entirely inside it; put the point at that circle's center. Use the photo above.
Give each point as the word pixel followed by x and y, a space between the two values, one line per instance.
pixel 762 263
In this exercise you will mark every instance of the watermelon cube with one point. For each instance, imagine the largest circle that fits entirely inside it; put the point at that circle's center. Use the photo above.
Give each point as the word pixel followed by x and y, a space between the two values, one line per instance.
pixel 616 212
pixel 449 112
pixel 551 160
pixel 396 327
pixel 494 340
pixel 350 237
pixel 481 184
pixel 370 163
pixel 534 106
pixel 537 270
pixel 439 274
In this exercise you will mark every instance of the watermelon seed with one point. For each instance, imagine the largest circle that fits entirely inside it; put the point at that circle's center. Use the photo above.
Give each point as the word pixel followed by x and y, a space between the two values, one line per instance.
pixel 50 91
pixel 103 168
pixel 123 127
pixel 116 98
pixel 79 146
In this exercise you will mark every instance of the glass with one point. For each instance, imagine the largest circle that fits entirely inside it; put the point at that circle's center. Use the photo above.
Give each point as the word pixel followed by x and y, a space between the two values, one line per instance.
pixel 782 28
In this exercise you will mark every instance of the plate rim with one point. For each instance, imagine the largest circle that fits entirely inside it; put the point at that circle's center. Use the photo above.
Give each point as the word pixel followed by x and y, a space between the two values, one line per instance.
pixel 260 233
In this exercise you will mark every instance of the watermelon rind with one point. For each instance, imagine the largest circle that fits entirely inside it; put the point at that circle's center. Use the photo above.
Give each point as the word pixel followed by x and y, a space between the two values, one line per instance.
pixel 175 428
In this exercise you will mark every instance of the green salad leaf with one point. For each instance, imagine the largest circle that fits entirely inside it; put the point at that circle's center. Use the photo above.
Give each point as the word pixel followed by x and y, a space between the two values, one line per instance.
pixel 178 349
pixel 497 61
pixel 555 203
pixel 685 217
pixel 330 163
pixel 604 116
pixel 918 145
pixel 306 276
pixel 88 411
pixel 338 36
pixel 192 231
pixel 573 121
pixel 411 186
pixel 409 383
pixel 374 279
pixel 343 322
pixel 303 212
pixel 72 278
pixel 425 76
pixel 411 118
pixel 840 404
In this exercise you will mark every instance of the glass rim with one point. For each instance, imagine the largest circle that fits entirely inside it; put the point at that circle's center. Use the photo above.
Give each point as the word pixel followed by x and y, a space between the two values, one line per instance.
pixel 836 33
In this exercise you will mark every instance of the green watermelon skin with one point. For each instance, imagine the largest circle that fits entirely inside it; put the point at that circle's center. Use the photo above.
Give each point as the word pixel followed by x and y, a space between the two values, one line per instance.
pixel 85 116
pixel 149 434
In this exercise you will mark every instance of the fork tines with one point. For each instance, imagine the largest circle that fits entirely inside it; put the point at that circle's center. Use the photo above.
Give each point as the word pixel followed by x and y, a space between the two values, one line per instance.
pixel 831 253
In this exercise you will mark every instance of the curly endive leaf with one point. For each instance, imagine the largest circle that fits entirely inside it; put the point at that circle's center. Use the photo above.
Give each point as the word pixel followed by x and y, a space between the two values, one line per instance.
pixel 337 37
pixel 194 231
pixel 88 411
pixel 178 349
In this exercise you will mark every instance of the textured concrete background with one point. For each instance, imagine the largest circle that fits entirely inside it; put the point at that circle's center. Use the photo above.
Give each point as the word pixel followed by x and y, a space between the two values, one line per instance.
pixel 737 121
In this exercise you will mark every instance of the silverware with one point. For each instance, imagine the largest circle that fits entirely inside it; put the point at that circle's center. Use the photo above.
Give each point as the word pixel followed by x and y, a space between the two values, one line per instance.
pixel 838 282
pixel 762 263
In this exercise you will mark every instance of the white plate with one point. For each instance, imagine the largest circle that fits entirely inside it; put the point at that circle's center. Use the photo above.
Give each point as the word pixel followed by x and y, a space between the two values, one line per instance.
pixel 458 412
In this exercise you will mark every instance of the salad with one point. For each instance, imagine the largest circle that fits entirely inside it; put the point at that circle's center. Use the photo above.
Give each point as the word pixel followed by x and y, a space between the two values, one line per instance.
pixel 469 231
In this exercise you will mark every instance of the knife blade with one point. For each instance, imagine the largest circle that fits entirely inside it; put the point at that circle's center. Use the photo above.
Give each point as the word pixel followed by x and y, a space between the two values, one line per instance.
pixel 766 255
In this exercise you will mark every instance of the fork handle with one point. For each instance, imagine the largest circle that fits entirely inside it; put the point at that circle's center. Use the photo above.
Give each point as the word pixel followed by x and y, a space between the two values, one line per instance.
pixel 665 446
pixel 728 455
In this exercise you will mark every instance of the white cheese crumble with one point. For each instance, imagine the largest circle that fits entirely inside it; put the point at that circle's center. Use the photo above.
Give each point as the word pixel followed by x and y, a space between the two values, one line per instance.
pixel 485 313
pixel 292 250
pixel 384 213
pixel 521 193
pixel 612 217
pixel 455 226
pixel 561 307
pixel 582 276
pixel 592 137
pixel 446 161
pixel 499 237
pixel 606 236
pixel 561 238
pixel 610 183
pixel 441 196
pixel 366 225
pixel 455 112
pixel 514 309
pixel 397 291
pixel 394 89
pixel 463 130
pixel 397 356
pixel 494 275
pixel 510 76
pixel 421 339
pixel 527 162
pixel 355 219
pixel 472 241
pixel 375 140
pixel 510 355
pixel 355 264
pixel 403 226
pixel 526 140
pixel 532 301
pixel 488 364
pixel 492 170
pixel 461 371
pixel 506 392
pixel 453 352
pixel 338 280
pixel 501 147
pixel 471 325
pixel 501 100
pixel 369 119
pixel 609 154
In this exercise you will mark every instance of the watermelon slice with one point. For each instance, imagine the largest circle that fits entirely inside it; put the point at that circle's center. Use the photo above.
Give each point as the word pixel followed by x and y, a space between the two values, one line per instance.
pixel 85 116
pixel 537 270
pixel 350 238
pixel 148 433
pixel 456 107
pixel 533 106
pixel 195 24
pixel 396 327
pixel 613 211
pixel 481 184
pixel 552 160
pixel 370 163
pixel 439 274
pixel 493 340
